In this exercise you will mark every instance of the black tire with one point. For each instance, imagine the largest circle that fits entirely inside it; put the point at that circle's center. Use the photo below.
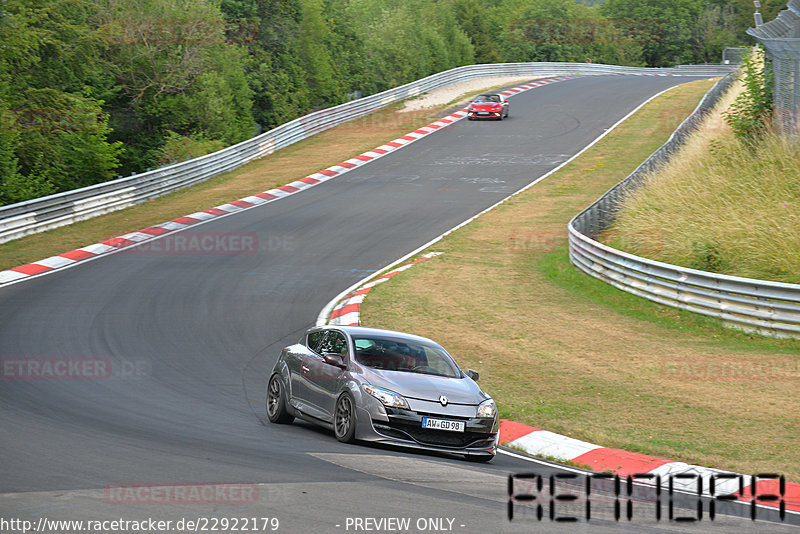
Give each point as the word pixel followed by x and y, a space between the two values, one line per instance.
pixel 344 419
pixel 276 402
pixel 483 458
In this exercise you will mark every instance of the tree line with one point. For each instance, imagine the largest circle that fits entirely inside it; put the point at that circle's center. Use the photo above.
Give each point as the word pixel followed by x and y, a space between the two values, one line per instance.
pixel 93 89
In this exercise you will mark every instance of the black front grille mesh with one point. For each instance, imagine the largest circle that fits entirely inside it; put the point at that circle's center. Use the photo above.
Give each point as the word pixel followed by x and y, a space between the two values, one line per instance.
pixel 426 436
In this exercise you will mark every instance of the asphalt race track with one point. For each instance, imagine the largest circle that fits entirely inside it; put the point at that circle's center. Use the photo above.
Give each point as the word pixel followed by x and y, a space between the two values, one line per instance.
pixel 190 338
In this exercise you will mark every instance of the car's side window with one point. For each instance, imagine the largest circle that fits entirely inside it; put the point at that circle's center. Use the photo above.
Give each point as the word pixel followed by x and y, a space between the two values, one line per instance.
pixel 314 341
pixel 334 342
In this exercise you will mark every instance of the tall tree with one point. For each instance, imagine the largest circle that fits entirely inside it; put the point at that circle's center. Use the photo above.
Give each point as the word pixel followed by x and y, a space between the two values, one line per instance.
pixel 273 67
pixel 176 73
pixel 54 131
pixel 663 27
pixel 315 58
pixel 560 30
pixel 474 18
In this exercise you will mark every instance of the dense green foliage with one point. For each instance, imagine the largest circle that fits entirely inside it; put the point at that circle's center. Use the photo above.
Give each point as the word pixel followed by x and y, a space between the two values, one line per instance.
pixel 92 89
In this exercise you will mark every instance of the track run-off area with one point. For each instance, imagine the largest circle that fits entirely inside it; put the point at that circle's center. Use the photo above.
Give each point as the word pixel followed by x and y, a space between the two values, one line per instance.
pixel 188 340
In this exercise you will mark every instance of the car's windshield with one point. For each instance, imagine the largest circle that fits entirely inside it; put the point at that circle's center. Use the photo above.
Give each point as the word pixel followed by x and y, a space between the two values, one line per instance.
pixel 487 98
pixel 395 354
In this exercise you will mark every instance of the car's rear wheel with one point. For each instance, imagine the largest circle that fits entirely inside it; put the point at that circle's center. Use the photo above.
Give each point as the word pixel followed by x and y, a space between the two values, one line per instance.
pixel 276 402
pixel 344 419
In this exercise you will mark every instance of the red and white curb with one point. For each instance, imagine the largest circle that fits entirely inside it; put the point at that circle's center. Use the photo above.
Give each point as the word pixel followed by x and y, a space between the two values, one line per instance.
pixel 115 244
pixel 348 311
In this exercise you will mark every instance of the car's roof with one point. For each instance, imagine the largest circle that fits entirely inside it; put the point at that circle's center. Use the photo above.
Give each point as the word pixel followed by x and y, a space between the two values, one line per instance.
pixel 370 331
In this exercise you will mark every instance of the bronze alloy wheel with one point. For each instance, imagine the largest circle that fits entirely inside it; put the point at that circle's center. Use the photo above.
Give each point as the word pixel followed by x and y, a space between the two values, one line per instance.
pixel 276 402
pixel 344 419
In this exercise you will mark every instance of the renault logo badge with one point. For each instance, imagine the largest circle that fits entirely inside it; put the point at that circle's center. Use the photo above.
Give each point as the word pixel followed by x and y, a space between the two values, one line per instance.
pixel 443 400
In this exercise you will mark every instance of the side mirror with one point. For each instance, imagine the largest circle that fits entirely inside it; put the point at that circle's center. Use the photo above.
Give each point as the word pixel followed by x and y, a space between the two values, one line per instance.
pixel 472 374
pixel 335 359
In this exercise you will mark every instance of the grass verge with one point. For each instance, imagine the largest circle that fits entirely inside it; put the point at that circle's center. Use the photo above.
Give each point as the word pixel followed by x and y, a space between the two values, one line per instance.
pixel 562 351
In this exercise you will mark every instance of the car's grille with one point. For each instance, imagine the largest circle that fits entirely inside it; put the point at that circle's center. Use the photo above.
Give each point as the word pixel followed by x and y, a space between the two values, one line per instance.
pixel 426 436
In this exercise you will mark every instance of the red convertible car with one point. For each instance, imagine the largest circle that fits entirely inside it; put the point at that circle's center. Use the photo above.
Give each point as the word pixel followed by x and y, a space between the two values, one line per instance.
pixel 489 106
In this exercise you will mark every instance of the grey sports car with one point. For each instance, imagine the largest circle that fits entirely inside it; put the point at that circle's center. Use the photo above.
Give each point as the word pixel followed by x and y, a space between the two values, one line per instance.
pixel 383 386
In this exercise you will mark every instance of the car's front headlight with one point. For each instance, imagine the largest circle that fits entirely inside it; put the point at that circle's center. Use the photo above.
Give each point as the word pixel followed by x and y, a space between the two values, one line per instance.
pixel 387 397
pixel 487 409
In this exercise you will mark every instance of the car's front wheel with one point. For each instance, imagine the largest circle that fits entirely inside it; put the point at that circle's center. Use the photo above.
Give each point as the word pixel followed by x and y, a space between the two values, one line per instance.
pixel 344 419
pixel 276 402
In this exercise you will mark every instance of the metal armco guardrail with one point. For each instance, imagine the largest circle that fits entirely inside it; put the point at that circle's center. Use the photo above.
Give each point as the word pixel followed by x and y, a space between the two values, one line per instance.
pixel 770 308
pixel 17 220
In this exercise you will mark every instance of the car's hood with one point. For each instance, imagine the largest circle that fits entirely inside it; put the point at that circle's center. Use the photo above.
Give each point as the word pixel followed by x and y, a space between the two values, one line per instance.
pixel 427 387
pixel 484 105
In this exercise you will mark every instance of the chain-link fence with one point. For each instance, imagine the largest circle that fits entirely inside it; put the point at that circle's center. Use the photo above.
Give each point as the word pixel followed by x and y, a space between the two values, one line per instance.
pixel 786 92
pixel 781 40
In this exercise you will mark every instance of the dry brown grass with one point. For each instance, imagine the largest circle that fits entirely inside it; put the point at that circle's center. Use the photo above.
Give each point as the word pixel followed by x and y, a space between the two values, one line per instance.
pixel 722 206
pixel 564 359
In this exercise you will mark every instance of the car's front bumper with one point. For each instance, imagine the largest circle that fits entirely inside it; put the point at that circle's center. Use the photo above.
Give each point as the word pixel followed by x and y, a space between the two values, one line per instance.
pixel 404 428
pixel 484 114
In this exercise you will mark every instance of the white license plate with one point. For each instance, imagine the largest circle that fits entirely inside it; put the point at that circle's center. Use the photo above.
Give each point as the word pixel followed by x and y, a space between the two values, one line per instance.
pixel 483 113
pixel 443 424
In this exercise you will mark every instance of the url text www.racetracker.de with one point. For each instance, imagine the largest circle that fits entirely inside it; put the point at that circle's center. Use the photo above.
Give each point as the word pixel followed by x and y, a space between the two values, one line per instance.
pixel 223 524
pixel 44 525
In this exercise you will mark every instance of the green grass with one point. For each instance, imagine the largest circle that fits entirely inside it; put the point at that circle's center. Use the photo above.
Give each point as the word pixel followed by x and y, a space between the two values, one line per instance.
pixel 557 268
